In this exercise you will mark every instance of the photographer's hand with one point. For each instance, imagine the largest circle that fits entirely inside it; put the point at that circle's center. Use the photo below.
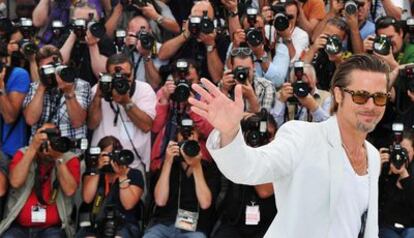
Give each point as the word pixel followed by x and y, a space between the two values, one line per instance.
pixel 285 92
pixel 309 102
pixel 121 99
pixel 172 151
pixel 103 160
pixel 319 43
pixel 230 5
pixel 120 170
pixel 250 95
pixel 208 39
pixel 227 82
pixel 389 58
pixel 90 39
pixel 167 90
pixel 141 50
pixel 369 43
pixel 410 95
pixel 2 76
pixel 239 36
pixel 336 7
pixel 67 88
pixel 402 172
pixel 148 11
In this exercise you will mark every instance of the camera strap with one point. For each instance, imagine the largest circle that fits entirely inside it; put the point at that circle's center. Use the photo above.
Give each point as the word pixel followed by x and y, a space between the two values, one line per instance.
pixel 38 185
pixel 130 140
pixel 55 105
pixel 136 64
pixel 100 196
pixel 99 215
pixel 185 220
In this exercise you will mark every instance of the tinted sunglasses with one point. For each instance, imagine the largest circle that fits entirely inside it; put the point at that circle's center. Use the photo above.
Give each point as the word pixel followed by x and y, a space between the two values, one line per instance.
pixel 241 51
pixel 361 97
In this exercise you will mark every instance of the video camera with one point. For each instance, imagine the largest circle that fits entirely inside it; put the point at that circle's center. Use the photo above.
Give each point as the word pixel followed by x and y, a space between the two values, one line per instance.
pixel 197 25
pixel 253 36
pixel 183 86
pixel 281 19
pixel 48 73
pixel 60 143
pixel 254 129
pixel 333 45
pixel 80 26
pixel 190 147
pixel 398 154
pixel 146 39
pixel 118 82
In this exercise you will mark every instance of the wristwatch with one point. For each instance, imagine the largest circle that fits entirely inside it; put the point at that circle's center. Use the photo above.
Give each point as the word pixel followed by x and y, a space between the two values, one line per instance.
pixel 264 58
pixel 210 48
pixel 287 40
pixel 129 106
pixel 59 161
pixel 159 20
pixel 147 59
pixel 233 14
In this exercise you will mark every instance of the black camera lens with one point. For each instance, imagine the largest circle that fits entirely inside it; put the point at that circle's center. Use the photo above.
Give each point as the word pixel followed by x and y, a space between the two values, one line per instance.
pixel 182 91
pixel 281 21
pixel 207 26
pixel 350 7
pixel 241 74
pixel 190 147
pixel 398 156
pixel 254 37
pixel 67 73
pixel 333 45
pixel 28 47
pixel 123 157
pixel 121 84
pixel 382 45
pixel 146 39
pixel 300 89
pixel 97 29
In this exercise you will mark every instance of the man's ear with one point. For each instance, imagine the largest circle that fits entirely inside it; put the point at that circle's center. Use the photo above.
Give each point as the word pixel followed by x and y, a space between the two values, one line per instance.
pixel 338 95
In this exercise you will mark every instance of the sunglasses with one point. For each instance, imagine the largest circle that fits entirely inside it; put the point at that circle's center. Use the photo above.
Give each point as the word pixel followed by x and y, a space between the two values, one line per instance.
pixel 361 97
pixel 241 51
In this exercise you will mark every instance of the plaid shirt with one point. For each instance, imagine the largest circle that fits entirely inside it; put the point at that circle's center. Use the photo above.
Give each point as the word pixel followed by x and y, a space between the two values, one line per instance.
pixel 55 111
pixel 265 92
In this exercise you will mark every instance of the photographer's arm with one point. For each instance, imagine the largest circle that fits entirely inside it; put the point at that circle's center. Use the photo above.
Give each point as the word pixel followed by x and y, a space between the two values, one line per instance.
pixel 95 111
pixel 112 22
pixel 203 192
pixel 66 179
pixel 18 174
pixel 11 102
pixel 129 194
pixel 89 187
pixel 264 190
pixel 391 9
pixel 152 74
pixel 40 13
pixel 3 184
pixel 215 66
pixel 77 115
pixel 67 48
pixel 98 61
pixel 140 119
pixel 33 110
pixel 162 188
pixel 170 47
pixel 34 69
pixel 306 24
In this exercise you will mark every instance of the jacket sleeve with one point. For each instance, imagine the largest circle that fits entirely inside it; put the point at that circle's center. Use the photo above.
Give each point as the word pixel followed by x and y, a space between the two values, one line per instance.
pixel 246 165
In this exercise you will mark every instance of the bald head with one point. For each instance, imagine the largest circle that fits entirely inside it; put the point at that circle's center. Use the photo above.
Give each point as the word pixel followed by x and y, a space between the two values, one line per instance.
pixel 201 6
pixel 135 24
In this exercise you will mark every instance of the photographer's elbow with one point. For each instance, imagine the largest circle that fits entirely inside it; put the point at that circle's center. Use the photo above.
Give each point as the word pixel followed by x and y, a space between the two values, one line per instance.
pixel 160 202
pixel 70 192
pixel 205 205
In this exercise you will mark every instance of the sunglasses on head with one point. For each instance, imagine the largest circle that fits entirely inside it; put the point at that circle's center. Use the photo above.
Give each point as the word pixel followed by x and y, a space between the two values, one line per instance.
pixel 241 51
pixel 361 97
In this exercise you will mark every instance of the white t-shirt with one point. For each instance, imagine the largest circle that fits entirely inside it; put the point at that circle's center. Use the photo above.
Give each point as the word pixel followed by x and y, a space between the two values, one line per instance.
pixel 353 202
pixel 380 11
pixel 145 99
pixel 139 67
pixel 300 40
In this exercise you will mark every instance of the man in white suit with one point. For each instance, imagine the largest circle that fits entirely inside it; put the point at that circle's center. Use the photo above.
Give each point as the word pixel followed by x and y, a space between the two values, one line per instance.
pixel 326 173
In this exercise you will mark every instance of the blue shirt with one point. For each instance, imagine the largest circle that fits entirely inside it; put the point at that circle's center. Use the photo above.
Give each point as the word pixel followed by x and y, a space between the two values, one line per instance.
pixel 18 81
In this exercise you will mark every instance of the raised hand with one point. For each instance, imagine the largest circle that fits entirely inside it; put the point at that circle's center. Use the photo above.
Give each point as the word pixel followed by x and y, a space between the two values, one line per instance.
pixel 220 111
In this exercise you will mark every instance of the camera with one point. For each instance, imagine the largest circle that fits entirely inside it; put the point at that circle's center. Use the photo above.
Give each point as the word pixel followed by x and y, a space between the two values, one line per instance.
pixel 112 219
pixel 190 147
pixel 254 36
pixel 251 14
pixel 409 28
pixel 398 154
pixel 91 157
pixel 62 144
pixel 119 40
pixel 382 45
pixel 333 45
pixel 79 27
pixel 183 86
pixel 407 73
pixel 146 39
pixel 255 129
pixel 197 25
pixel 57 28
pixel 28 47
pixel 281 19
pixel 118 82
pixel 48 73
pixel 121 157
pixel 26 28
pixel 300 88
pixel 241 74
pixel 105 85
pixel 139 3
pixel 351 7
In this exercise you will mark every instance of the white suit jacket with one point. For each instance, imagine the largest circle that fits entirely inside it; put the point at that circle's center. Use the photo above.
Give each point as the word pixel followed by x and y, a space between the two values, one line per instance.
pixel 305 163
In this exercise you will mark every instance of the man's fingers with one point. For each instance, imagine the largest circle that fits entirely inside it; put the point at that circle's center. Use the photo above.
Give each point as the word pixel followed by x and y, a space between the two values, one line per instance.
pixel 200 90
pixel 197 103
pixel 199 112
pixel 212 89
pixel 238 95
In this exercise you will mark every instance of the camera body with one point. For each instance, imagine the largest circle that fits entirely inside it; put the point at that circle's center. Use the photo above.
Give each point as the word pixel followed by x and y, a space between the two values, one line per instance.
pixel 121 157
pixel 255 129
pixel 57 28
pixel 190 147
pixel 91 157
pixel 254 36
pixel 80 26
pixel 382 45
pixel 28 47
pixel 183 86
pixel 197 25
pixel 407 73
pixel 146 39
pixel 27 30
pixel 119 40
pixel 112 219
pixel 333 45
pixel 300 88
pixel 398 154
pixel 241 74
pixel 139 3
pixel 117 81
pixel 281 19
pixel 63 144
pixel 48 73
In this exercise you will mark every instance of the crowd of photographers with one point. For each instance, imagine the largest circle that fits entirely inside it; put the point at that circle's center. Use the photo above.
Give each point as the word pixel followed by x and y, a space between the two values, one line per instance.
pixel 98 138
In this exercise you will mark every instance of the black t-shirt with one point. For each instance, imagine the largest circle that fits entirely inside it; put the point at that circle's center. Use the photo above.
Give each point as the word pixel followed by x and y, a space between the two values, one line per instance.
pixel 234 207
pixel 193 49
pixel 324 70
pixel 80 58
pixel 181 9
pixel 188 199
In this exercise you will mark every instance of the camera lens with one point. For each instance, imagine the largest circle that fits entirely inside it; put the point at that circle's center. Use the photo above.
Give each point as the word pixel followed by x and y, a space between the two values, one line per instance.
pixel 121 85
pixel 254 37
pixel 67 73
pixel 281 22
pixel 97 29
pixel 333 45
pixel 190 148
pixel 351 7
pixel 382 45
pixel 300 89
pixel 182 91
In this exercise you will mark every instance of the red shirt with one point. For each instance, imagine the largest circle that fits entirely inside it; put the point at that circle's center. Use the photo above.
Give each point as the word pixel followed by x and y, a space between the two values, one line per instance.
pixel 52 216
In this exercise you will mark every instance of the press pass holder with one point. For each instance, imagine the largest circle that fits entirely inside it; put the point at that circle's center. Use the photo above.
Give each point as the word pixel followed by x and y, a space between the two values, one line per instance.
pixel 185 220
pixel 38 214
pixel 252 214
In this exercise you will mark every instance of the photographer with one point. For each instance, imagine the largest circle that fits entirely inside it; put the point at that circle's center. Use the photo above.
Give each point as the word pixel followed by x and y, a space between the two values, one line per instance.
pixel 157 13
pixel 300 99
pixel 172 107
pixel 186 187
pixel 199 41
pixel 396 184
pixel 325 54
pixel 125 107
pixel 58 97
pixel 114 184
pixel 43 180
pixel 252 35
pixel 144 54
pixel 14 85
pixel 247 211
pixel 311 12
pixel 87 47
pixel 258 92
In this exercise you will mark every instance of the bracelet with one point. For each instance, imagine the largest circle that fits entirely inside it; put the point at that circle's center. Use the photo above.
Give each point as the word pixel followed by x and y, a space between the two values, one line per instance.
pixel 128 106
pixel 124 187
pixel 159 20
pixel 185 36
pixel 127 180
pixel 147 59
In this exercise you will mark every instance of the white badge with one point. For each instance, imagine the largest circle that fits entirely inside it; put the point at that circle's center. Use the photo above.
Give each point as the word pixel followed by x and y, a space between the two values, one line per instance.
pixel 252 215
pixel 186 220
pixel 38 214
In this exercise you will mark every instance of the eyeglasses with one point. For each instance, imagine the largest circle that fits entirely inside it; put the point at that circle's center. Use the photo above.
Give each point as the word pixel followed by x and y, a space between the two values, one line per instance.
pixel 241 51
pixel 361 97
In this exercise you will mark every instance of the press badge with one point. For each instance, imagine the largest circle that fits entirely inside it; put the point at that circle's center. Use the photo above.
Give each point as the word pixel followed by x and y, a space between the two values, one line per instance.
pixel 38 214
pixel 252 214
pixel 186 220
